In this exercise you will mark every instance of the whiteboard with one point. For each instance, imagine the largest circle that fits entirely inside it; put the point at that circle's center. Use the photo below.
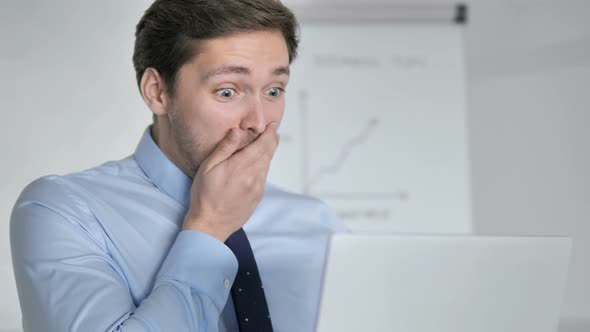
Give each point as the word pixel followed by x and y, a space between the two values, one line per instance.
pixel 400 153
pixel 375 126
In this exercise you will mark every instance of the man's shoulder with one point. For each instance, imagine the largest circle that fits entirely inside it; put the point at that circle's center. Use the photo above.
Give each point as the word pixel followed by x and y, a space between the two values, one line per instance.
pixel 298 211
pixel 120 169
pixel 276 192
pixel 60 191
pixel 292 200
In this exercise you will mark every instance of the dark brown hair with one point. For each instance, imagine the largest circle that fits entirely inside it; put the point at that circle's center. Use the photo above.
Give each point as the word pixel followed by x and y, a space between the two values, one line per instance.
pixel 168 34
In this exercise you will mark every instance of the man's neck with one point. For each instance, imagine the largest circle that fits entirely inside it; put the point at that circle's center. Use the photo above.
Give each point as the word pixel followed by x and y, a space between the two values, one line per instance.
pixel 164 139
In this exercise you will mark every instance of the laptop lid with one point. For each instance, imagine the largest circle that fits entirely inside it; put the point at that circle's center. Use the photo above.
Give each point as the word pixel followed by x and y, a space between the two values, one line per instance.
pixel 458 283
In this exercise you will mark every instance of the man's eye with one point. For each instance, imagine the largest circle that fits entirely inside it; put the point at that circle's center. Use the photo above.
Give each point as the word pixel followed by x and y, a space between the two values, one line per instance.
pixel 226 93
pixel 274 92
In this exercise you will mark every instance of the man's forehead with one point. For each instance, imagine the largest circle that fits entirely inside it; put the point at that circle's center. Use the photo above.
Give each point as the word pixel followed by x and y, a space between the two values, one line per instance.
pixel 229 69
pixel 265 44
pixel 260 53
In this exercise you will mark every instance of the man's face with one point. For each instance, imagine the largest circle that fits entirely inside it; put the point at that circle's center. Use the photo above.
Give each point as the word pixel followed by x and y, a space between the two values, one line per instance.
pixel 235 81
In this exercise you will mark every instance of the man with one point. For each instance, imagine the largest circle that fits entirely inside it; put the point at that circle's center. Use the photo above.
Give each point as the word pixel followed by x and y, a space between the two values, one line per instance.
pixel 185 234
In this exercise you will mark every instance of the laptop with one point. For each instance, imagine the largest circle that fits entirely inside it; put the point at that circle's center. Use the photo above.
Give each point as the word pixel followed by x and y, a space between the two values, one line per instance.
pixel 443 283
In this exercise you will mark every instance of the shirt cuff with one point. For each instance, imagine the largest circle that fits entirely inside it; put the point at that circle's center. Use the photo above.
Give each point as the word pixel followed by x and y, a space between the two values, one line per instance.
pixel 203 263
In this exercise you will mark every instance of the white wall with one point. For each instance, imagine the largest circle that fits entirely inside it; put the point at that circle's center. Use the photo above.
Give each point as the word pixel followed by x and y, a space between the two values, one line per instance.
pixel 528 65
pixel 54 116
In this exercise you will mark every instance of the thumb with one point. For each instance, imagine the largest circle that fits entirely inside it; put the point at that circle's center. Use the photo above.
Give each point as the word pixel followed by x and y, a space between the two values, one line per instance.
pixel 224 149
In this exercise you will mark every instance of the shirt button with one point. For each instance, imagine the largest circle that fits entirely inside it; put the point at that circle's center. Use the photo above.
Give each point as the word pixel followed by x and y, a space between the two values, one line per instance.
pixel 226 283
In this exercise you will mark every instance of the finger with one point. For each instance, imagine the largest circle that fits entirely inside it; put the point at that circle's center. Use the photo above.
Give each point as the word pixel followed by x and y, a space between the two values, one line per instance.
pixel 262 148
pixel 257 159
pixel 224 149
pixel 272 140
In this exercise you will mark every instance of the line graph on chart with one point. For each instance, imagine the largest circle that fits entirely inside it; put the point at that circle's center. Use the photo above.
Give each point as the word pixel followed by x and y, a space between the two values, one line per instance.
pixel 312 178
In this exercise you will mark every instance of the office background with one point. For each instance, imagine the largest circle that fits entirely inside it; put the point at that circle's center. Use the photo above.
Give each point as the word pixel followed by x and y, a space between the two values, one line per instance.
pixel 527 78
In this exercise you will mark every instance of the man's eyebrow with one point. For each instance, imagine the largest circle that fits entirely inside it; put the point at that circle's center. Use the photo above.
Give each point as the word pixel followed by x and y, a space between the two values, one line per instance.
pixel 225 70
pixel 281 71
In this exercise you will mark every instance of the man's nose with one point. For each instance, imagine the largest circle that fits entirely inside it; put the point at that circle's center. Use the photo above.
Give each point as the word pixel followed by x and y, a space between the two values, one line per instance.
pixel 254 121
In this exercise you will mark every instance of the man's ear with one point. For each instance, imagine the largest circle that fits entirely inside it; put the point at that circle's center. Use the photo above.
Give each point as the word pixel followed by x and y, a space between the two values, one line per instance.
pixel 153 91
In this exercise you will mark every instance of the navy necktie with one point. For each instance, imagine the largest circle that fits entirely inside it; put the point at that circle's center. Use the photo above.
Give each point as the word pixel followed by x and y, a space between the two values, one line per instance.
pixel 247 291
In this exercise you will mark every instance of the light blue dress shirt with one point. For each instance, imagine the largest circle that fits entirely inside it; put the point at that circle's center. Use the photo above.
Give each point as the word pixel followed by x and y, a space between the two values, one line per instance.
pixel 103 250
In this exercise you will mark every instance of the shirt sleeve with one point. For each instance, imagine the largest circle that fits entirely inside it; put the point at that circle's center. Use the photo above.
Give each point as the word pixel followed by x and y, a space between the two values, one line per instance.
pixel 67 282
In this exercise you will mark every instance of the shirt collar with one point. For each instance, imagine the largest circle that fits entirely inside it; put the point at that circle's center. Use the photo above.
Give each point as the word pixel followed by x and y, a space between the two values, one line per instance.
pixel 161 171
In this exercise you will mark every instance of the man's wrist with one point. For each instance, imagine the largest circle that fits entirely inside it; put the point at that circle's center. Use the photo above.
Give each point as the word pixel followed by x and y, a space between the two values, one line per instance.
pixel 206 228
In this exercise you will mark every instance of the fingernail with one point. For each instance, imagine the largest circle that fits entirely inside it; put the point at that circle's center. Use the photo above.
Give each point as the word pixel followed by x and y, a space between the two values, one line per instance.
pixel 232 135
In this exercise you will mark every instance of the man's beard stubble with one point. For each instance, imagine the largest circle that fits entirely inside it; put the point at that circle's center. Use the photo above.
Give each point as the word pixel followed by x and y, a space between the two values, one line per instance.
pixel 190 151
